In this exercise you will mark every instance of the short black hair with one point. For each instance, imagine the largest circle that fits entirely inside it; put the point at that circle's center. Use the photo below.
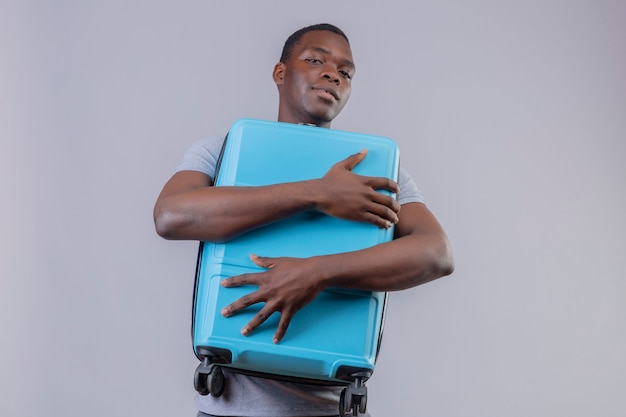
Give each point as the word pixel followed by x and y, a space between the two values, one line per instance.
pixel 295 37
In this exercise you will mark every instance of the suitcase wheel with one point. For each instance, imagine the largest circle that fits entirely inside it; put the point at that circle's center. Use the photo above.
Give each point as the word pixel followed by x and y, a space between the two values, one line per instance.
pixel 216 381
pixel 209 380
pixel 353 398
pixel 200 382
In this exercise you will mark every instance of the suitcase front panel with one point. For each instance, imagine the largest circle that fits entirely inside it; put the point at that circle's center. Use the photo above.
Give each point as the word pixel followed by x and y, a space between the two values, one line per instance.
pixel 339 327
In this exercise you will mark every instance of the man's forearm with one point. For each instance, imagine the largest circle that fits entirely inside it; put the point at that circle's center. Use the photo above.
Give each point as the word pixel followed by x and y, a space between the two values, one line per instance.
pixel 190 207
pixel 400 264
pixel 221 213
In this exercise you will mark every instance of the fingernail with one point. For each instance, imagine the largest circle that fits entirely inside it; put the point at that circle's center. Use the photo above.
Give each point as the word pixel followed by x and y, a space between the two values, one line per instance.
pixel 245 331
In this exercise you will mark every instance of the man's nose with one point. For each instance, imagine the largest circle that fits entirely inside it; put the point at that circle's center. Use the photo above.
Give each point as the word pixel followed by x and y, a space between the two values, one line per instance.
pixel 331 74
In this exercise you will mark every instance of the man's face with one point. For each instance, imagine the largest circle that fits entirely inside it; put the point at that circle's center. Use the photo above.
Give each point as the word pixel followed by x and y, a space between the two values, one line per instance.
pixel 315 83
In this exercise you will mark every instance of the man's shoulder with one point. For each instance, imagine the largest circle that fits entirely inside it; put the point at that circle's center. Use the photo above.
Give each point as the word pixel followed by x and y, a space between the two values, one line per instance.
pixel 202 155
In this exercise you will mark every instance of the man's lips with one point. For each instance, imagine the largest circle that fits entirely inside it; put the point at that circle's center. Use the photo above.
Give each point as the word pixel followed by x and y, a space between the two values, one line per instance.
pixel 327 90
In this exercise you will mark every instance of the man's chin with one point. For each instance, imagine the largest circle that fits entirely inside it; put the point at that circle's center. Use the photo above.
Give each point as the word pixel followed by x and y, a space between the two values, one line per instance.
pixel 323 118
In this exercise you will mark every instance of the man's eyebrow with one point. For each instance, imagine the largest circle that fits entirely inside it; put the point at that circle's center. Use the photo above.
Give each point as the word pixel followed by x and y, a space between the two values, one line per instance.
pixel 345 61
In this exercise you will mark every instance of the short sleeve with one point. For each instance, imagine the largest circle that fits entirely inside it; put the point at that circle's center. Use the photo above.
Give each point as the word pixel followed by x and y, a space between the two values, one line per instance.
pixel 202 156
pixel 408 189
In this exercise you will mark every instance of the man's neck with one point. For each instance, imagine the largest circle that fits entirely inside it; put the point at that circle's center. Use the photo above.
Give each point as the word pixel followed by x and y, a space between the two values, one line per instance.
pixel 302 121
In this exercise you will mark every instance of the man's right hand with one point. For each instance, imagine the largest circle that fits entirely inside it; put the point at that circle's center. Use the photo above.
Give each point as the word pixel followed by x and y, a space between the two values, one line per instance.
pixel 349 196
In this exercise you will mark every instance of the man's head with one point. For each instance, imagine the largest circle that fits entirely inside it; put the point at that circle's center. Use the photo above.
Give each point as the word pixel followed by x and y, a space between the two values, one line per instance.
pixel 295 37
pixel 314 75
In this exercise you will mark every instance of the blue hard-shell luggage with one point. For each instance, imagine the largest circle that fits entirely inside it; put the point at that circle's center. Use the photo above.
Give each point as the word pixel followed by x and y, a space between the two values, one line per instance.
pixel 335 338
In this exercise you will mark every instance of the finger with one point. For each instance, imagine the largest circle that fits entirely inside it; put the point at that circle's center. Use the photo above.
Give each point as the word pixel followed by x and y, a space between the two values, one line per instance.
pixel 385 213
pixel 257 320
pixel 353 160
pixel 283 325
pixel 239 280
pixel 377 220
pixel 383 183
pixel 385 202
pixel 240 304
pixel 262 261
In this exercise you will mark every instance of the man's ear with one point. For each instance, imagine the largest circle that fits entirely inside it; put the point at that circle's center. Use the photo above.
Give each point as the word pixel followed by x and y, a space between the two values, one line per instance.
pixel 279 73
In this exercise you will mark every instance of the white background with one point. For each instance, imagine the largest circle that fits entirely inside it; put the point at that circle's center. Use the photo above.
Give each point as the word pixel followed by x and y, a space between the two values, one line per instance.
pixel 511 116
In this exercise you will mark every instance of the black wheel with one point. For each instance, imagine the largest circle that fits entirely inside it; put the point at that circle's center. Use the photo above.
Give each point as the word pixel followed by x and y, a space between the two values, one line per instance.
pixel 363 404
pixel 343 402
pixel 216 381
pixel 200 382
pixel 346 401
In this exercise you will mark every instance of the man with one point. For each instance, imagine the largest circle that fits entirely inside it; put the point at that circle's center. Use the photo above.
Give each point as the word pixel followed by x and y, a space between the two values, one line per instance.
pixel 314 83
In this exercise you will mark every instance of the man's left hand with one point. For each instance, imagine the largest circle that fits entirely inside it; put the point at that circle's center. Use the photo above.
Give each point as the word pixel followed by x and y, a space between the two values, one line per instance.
pixel 286 286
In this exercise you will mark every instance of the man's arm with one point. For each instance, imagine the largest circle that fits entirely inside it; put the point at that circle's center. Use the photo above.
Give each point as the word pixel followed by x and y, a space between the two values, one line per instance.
pixel 190 208
pixel 420 253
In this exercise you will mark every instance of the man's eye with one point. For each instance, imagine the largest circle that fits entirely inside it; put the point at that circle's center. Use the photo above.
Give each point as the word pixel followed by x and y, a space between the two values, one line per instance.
pixel 346 75
pixel 313 60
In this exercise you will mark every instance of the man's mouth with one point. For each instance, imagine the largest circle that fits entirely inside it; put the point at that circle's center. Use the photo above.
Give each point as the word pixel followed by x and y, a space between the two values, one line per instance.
pixel 329 91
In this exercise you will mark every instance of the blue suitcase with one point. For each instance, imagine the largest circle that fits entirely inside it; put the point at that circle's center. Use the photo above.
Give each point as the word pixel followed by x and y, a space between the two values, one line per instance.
pixel 334 339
